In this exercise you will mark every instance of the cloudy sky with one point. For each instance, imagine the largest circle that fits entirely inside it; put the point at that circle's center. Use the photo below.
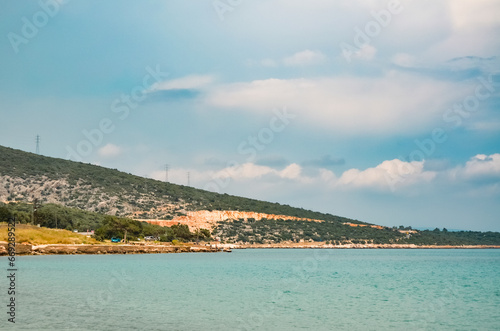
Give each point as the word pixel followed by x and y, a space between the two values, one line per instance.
pixel 382 111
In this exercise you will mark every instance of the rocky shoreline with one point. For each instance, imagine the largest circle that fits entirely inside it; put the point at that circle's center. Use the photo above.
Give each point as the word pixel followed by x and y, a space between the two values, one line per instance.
pixel 60 249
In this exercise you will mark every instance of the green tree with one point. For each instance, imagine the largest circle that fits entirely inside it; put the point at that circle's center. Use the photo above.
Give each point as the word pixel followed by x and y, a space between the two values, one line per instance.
pixel 5 214
pixel 118 227
pixel 181 231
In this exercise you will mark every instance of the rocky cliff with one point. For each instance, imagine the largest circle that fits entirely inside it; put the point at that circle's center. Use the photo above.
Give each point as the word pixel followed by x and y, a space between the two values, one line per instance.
pixel 206 219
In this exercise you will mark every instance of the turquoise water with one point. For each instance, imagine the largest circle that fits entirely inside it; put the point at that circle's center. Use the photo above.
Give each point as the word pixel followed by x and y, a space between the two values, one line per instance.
pixel 259 290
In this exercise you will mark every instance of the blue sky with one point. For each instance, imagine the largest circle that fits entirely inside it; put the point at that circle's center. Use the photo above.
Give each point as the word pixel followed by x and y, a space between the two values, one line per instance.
pixel 383 111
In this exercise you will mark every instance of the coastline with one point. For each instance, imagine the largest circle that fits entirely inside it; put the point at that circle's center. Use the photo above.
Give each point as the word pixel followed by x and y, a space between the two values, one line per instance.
pixel 78 249
pixel 355 246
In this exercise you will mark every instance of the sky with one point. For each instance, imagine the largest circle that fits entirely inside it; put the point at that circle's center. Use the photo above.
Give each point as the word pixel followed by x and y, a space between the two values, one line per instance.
pixel 383 111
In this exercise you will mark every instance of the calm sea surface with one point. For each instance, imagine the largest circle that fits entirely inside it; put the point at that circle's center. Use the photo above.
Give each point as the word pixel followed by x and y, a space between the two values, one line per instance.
pixel 262 289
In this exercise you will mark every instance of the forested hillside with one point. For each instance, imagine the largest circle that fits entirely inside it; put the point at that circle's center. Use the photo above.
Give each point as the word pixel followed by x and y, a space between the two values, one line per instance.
pixel 27 176
pixel 69 195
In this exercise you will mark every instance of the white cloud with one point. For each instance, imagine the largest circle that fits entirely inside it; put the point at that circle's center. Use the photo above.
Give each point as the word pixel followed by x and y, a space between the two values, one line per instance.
pixel 291 172
pixel 432 31
pixel 404 60
pixel 479 166
pixel 396 103
pixel 366 53
pixel 109 151
pixel 396 174
pixel 472 27
pixel 253 171
pixel 247 172
pixel 387 175
pixel 299 59
pixel 188 82
pixel 304 58
pixel 327 176
pixel 467 14
pixel 244 171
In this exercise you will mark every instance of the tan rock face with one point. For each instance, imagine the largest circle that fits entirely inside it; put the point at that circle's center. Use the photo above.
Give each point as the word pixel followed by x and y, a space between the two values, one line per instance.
pixel 363 225
pixel 21 249
pixel 205 219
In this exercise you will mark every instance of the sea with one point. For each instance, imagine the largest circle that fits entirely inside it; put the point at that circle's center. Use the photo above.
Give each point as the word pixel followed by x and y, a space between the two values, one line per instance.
pixel 258 289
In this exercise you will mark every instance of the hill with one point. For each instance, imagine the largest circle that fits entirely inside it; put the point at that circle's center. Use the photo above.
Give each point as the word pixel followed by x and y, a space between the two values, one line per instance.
pixel 26 176
pixel 58 193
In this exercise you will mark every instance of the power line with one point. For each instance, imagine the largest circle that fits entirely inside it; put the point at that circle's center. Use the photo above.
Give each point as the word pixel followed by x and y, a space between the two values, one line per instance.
pixel 37 144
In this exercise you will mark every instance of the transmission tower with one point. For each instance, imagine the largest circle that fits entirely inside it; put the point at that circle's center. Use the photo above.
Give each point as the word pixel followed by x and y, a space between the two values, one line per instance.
pixel 166 173
pixel 37 144
pixel 188 175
